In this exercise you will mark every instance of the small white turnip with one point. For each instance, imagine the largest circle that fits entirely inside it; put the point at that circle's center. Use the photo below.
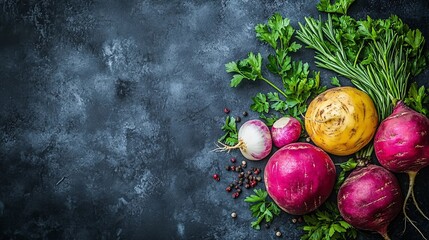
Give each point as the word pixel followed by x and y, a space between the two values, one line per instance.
pixel 285 130
pixel 254 140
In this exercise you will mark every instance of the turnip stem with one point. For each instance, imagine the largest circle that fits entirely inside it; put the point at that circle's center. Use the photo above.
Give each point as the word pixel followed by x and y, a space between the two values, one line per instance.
pixel 383 232
pixel 412 176
pixel 385 236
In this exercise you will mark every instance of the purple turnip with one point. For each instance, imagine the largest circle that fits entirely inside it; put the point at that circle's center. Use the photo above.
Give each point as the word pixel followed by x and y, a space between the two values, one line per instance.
pixel 401 145
pixel 299 177
pixel 370 198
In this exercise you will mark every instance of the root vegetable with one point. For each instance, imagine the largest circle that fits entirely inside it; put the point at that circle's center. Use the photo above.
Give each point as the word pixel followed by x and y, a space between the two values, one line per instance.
pixel 401 145
pixel 370 198
pixel 285 130
pixel 341 120
pixel 299 177
pixel 254 140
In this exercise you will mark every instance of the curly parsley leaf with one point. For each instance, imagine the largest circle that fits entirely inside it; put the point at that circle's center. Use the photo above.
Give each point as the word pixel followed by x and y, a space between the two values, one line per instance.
pixel 326 223
pixel 262 208
pixel 418 99
pixel 230 136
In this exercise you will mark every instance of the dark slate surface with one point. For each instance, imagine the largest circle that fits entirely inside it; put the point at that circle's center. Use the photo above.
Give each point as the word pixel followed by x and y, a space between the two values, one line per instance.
pixel 110 109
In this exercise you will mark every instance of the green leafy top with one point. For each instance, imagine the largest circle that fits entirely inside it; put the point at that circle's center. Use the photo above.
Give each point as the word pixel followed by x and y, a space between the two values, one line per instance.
pixel 345 167
pixel 418 99
pixel 326 223
pixel 261 207
pixel 340 6
pixel 298 83
pixel 230 136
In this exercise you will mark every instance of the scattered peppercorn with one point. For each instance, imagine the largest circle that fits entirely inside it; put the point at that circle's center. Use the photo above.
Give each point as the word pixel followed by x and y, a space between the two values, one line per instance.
pixel 233 214
pixel 278 234
pixel 294 220
pixel 228 168
pixel 233 160
pixel 308 139
pixel 245 113
pixel 257 171
pixel 226 110
pixel 237 119
pixel 216 177
pixel 258 178
pixel 247 185
pixel 267 225
pixel 235 195
pixel 228 189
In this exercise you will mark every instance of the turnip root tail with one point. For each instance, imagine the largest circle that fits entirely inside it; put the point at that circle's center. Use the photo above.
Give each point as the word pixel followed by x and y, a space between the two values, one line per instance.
pixel 412 176
pixel 221 147
pixel 383 233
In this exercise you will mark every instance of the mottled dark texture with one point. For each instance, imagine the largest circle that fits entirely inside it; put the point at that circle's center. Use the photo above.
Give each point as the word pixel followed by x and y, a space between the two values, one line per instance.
pixel 109 111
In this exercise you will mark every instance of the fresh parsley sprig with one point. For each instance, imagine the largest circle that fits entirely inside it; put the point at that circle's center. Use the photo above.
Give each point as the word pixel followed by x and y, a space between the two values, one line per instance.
pixel 299 84
pixel 262 208
pixel 326 223
pixel 418 99
pixel 230 136
pixel 340 6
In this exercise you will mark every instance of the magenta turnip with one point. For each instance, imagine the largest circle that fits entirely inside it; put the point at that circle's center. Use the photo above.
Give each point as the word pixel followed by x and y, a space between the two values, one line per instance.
pixel 401 145
pixel 285 130
pixel 370 198
pixel 299 177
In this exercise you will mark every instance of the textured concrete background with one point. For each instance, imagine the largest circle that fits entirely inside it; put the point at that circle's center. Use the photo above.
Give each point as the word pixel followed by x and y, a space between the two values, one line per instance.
pixel 109 111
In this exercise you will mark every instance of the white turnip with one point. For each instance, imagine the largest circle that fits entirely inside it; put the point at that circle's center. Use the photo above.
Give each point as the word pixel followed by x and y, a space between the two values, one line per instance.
pixel 254 140
pixel 299 177
pixel 370 198
pixel 285 130
pixel 401 145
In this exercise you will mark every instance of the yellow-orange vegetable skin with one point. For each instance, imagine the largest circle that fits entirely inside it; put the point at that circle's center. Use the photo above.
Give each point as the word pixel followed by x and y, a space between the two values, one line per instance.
pixel 341 120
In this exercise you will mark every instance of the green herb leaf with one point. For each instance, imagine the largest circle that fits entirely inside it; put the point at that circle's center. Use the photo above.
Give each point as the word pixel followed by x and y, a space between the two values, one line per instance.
pixel 326 223
pixel 339 6
pixel 335 82
pixel 262 208
pixel 418 99
pixel 260 103
pixel 345 167
pixel 230 136
pixel 248 69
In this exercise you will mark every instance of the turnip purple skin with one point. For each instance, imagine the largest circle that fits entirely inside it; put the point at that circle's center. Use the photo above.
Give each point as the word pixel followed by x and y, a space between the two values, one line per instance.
pixel 285 130
pixel 370 198
pixel 401 142
pixel 299 177
pixel 401 145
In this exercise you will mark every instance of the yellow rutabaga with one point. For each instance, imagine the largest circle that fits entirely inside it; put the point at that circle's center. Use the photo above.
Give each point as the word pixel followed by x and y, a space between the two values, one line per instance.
pixel 341 120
